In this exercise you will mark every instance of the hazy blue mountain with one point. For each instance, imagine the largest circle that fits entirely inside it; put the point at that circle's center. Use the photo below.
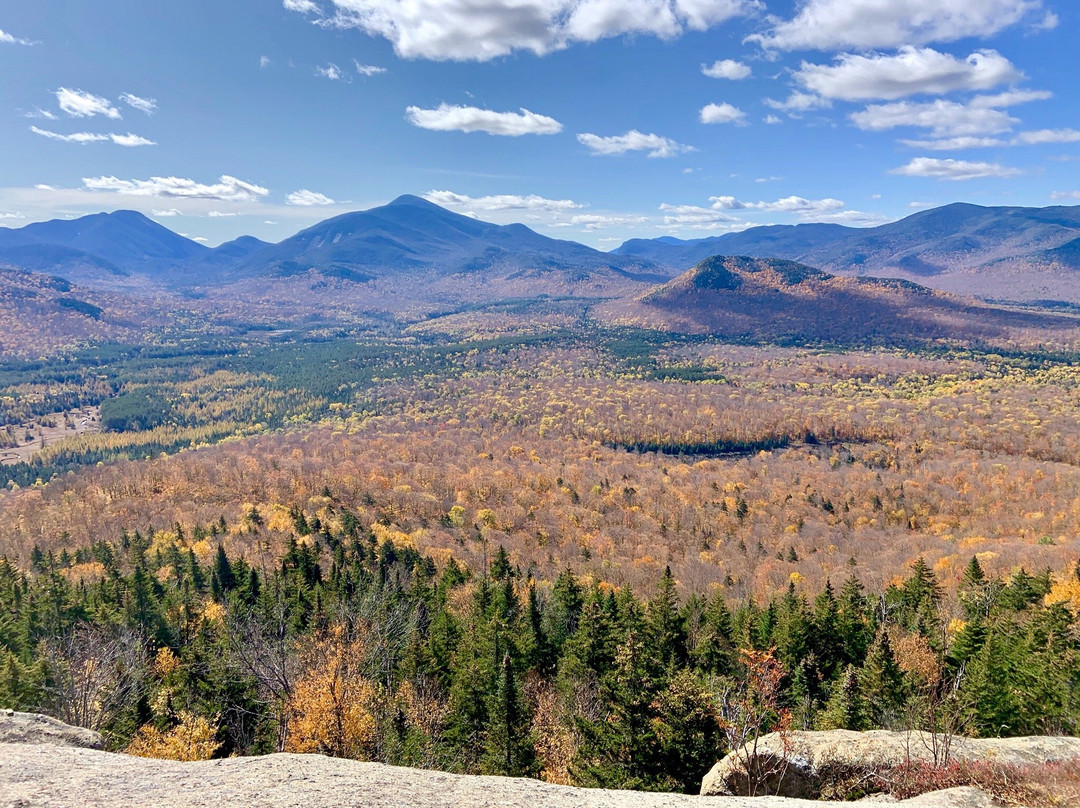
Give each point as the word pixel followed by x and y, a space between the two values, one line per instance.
pixel 984 245
pixel 413 234
pixel 122 242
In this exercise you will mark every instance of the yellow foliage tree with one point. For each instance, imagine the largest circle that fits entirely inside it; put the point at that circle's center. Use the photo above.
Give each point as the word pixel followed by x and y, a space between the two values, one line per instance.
pixel 330 710
pixel 193 738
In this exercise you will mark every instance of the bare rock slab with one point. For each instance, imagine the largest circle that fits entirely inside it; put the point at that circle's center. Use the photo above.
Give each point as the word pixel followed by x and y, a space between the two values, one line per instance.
pixel 40 729
pixel 35 776
pixel 802 763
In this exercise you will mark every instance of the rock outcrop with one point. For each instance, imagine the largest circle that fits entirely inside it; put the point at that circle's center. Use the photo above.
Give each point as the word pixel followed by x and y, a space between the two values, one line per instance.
pixel 40 729
pixel 806 764
pixel 69 777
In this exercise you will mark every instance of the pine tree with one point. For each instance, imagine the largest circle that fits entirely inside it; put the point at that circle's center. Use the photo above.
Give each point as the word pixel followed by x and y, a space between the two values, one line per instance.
pixel 846 708
pixel 508 745
pixel 881 682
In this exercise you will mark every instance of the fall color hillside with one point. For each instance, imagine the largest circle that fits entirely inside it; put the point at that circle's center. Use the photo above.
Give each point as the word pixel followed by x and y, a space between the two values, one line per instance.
pixel 772 299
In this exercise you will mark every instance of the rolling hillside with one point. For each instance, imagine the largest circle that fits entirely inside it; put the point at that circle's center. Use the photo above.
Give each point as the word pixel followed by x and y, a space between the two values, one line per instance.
pixel 774 299
pixel 1007 253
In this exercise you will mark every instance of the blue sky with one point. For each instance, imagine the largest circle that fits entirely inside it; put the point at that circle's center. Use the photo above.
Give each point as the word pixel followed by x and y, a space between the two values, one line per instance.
pixel 594 120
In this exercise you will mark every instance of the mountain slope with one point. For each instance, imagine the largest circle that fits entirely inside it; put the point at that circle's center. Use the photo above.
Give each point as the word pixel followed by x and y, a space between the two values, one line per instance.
pixel 100 245
pixel 411 234
pixel 1001 252
pixel 774 299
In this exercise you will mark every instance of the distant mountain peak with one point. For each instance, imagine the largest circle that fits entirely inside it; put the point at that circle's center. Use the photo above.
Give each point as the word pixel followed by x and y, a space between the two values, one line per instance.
pixel 413 201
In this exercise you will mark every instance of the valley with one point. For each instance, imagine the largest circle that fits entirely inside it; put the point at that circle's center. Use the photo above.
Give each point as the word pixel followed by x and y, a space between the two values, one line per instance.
pixel 487 502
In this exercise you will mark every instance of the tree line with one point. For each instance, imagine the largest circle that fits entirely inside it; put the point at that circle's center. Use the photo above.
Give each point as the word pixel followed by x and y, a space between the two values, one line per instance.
pixel 354 647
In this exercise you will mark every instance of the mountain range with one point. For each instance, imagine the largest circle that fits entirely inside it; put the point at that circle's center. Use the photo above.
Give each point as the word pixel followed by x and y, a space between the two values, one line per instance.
pixel 771 299
pixel 991 252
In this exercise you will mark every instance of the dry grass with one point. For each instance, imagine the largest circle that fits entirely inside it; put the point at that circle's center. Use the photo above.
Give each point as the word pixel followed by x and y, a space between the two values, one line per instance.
pixel 1049 785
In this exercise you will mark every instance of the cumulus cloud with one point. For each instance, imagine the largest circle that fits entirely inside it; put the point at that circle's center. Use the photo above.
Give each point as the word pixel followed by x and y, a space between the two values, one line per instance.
pixel 726 69
pixel 452 118
pixel 227 189
pixel 94 137
pixel 481 30
pixel 11 39
pixel 866 24
pixel 164 214
pixel 1047 136
pixel 634 140
pixel 80 104
pixel 301 6
pixel 306 198
pixel 789 204
pixel 264 61
pixel 722 113
pixel 983 115
pixel 332 72
pixel 693 217
pixel 592 222
pixel 368 70
pixel 147 105
pixel 797 103
pixel 449 199
pixel 911 71
pixel 1030 138
pixel 950 169
pixel 12 215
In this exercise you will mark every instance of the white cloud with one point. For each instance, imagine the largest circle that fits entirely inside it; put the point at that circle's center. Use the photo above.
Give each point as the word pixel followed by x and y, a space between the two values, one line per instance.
pixel 264 61
pixel 481 30
pixel 799 102
pixel 11 39
pixel 147 105
pixel 368 70
pixel 131 140
pixel 634 140
pixel 449 199
pixel 726 69
pixel 227 189
pixel 301 6
pixel 865 24
pixel 94 137
pixel 1030 138
pixel 789 204
pixel 77 137
pixel 15 215
pixel 218 214
pixel 592 222
pixel 79 104
pixel 722 113
pixel 332 72
pixel 38 112
pixel 452 118
pixel 773 119
pixel 911 71
pixel 164 214
pixel 956 143
pixel 1048 136
pixel 950 169
pixel 306 198
pixel 692 217
pixel 1062 195
pixel 977 118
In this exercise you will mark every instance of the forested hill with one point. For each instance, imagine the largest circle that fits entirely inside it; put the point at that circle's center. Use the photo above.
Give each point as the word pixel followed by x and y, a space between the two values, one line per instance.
pixel 355 647
pixel 996 252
